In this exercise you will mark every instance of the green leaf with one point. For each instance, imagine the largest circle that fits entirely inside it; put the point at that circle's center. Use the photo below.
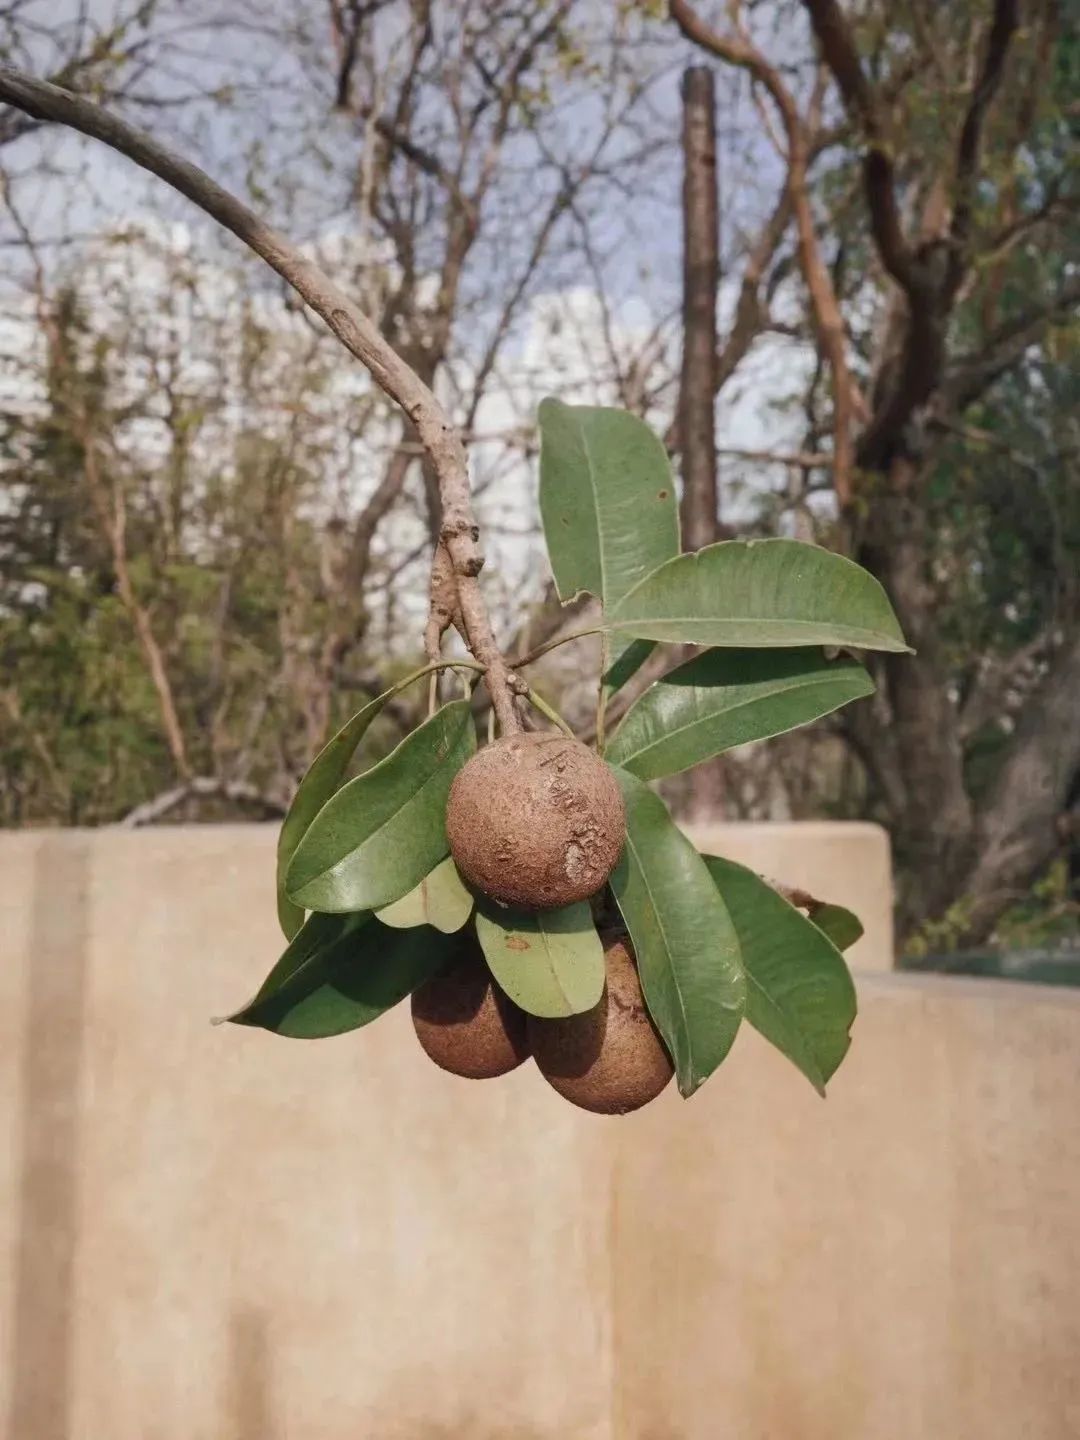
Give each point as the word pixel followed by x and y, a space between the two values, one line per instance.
pixel 440 900
pixel 341 972
pixel 686 945
pixel 760 593
pixel 800 995
pixel 606 497
pixel 382 832
pixel 630 656
pixel 609 510
pixel 729 697
pixel 323 777
pixel 549 962
pixel 841 926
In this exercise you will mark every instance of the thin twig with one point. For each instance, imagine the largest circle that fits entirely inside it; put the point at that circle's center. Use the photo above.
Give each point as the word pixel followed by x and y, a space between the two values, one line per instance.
pixel 539 650
pixel 550 711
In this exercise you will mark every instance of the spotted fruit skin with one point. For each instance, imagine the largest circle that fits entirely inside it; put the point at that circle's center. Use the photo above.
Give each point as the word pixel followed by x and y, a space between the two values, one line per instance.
pixel 610 1060
pixel 466 1024
pixel 536 821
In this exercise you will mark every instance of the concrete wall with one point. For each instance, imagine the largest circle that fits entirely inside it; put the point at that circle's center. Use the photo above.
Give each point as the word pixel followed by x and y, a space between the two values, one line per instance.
pixel 215 1234
pixel 844 862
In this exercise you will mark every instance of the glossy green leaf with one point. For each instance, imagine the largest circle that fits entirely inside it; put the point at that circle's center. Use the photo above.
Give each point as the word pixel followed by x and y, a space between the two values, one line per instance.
pixel 800 995
pixel 760 593
pixel 841 926
pixel 549 962
pixel 440 900
pixel 342 972
pixel 384 831
pixel 606 497
pixel 610 515
pixel 323 777
pixel 729 697
pixel 686 945
pixel 629 655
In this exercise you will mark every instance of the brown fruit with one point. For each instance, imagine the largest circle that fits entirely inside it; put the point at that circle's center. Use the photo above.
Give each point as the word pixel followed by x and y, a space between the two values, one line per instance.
pixel 611 1059
pixel 466 1024
pixel 536 820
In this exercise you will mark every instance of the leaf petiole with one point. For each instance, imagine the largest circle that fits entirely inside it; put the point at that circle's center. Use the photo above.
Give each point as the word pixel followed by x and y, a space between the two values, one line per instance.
pixel 550 711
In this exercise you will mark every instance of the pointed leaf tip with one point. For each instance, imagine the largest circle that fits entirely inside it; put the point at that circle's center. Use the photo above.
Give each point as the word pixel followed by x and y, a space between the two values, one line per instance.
pixel 686 946
pixel 342 972
pixel 800 995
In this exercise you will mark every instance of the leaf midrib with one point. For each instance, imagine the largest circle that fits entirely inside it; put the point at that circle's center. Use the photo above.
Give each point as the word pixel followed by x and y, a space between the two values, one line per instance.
pixel 817 1078
pixel 415 796
pixel 744 619
pixel 679 730
pixel 569 1004
pixel 667 951
pixel 552 965
pixel 595 491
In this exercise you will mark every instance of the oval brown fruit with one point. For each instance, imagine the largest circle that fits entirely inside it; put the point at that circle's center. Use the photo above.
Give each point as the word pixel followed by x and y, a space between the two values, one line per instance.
pixel 611 1059
pixel 536 821
pixel 466 1024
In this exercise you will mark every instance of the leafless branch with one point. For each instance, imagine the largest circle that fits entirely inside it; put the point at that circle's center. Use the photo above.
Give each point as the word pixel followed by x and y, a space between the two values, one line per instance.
pixel 793 459
pixel 972 375
pixel 203 787
pixel 864 106
pixel 1002 28
pixel 847 400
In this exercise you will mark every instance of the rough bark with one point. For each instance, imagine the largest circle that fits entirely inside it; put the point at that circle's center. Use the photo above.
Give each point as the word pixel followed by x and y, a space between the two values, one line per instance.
pixel 701 277
pixel 700 506
pixel 933 822
pixel 1020 826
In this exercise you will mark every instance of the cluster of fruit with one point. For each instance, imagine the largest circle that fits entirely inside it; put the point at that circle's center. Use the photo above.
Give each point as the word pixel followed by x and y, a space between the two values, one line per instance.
pixel 537 821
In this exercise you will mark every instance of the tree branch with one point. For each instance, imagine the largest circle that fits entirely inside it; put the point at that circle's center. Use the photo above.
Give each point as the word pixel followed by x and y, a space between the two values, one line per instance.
pixel 1003 683
pixel 864 107
pixel 749 312
pixel 460 532
pixel 1002 29
pixel 793 459
pixel 972 375
pixel 203 787
pixel 847 401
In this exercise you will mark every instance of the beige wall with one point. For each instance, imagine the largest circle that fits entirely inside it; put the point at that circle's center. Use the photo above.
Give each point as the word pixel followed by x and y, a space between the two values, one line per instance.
pixel 214 1234
pixel 845 862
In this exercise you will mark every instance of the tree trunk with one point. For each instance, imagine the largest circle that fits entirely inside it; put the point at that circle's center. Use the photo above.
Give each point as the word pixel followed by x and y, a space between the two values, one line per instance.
pixel 933 824
pixel 697 385
pixel 1022 825
pixel 701 276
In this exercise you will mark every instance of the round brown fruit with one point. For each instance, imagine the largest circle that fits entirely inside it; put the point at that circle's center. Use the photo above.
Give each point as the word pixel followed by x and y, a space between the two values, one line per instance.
pixel 466 1024
pixel 611 1059
pixel 536 821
